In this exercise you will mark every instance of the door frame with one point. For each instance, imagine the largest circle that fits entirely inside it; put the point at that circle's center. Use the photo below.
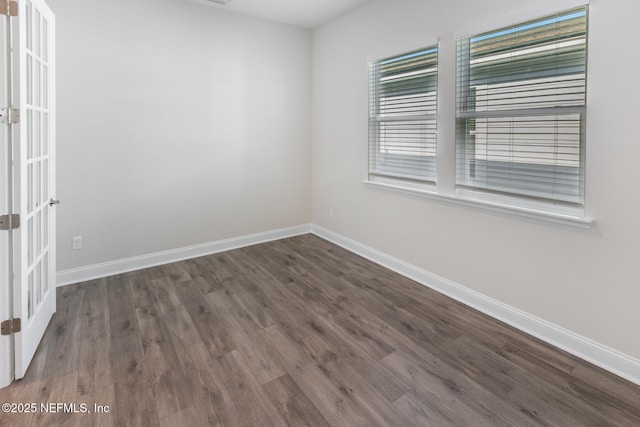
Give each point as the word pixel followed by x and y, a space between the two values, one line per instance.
pixel 7 349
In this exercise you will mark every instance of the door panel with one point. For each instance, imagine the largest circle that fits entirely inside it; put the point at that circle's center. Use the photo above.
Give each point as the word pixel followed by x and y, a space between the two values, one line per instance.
pixel 6 299
pixel 34 244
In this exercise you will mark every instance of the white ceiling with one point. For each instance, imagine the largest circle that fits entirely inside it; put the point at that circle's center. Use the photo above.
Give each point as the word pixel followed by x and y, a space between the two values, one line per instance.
pixel 301 13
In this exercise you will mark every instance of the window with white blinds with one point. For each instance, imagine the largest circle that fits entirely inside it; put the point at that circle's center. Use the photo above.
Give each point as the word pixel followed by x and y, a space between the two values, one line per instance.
pixel 521 106
pixel 402 116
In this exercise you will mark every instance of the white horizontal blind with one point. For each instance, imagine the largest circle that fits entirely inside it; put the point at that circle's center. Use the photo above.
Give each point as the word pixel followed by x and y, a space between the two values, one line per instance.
pixel 521 104
pixel 402 116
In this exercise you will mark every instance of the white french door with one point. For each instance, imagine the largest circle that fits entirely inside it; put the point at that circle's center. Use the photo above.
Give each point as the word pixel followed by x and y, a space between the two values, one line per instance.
pixel 34 177
pixel 6 299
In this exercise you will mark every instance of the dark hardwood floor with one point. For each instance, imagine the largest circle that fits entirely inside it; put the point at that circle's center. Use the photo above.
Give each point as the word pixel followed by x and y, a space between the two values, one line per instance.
pixel 299 332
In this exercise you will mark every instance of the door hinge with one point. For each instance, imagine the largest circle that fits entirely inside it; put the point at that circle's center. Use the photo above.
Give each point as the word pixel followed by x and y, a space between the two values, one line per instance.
pixel 9 222
pixel 11 326
pixel 9 115
pixel 9 7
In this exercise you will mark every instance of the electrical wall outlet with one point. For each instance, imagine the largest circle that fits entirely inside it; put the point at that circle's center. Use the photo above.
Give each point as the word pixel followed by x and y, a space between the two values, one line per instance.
pixel 332 213
pixel 76 243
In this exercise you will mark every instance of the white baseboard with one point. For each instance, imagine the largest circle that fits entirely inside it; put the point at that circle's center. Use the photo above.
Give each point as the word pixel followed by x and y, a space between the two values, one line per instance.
pixel 613 361
pixel 96 271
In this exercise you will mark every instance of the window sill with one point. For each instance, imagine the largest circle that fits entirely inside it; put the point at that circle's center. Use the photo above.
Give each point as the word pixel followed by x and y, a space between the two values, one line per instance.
pixel 465 199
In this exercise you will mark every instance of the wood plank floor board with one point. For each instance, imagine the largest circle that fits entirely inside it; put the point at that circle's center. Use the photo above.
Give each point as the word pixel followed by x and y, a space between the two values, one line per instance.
pixel 304 279
pixel 451 394
pixel 623 393
pixel 350 383
pixel 59 389
pixel 424 333
pixel 212 411
pixel 363 361
pixel 121 313
pixel 205 391
pixel 300 332
pixel 261 358
pixel 244 335
pixel 97 419
pixel 140 288
pixel 134 403
pixel 483 367
pixel 603 402
pixel 176 272
pixel 347 336
pixel 357 334
pixel 64 348
pixel 293 318
pixel 545 410
pixel 519 386
pixel 405 303
pixel 293 405
pixel 244 303
pixel 423 412
pixel 206 268
pixel 250 406
pixel 335 407
pixel 377 293
pixel 155 343
pixel 207 322
pixel 186 417
pixel 522 349
pixel 175 313
pixel 173 391
pixel 95 379
pixel 297 318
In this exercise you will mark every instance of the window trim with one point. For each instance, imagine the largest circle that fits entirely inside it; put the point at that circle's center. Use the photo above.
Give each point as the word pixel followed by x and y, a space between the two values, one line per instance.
pixel 515 19
pixel 519 196
pixel 374 120
pixel 505 205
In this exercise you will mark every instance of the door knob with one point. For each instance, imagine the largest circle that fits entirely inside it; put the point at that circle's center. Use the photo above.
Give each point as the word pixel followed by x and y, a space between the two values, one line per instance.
pixel 53 202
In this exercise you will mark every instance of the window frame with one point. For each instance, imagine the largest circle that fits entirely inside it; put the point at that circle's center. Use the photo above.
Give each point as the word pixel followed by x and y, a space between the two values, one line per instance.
pixel 464 178
pixel 444 189
pixel 376 158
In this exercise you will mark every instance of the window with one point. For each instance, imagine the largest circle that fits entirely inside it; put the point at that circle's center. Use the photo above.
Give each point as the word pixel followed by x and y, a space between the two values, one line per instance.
pixel 521 105
pixel 402 116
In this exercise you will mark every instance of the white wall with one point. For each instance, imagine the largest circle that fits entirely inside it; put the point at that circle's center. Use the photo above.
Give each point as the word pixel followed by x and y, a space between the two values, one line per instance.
pixel 178 124
pixel 585 281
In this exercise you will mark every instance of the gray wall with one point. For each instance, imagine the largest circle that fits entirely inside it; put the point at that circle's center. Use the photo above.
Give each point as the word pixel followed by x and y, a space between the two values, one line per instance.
pixel 178 124
pixel 585 281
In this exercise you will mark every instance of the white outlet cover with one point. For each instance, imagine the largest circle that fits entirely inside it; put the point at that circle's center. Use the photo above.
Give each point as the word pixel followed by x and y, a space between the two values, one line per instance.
pixel 76 242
